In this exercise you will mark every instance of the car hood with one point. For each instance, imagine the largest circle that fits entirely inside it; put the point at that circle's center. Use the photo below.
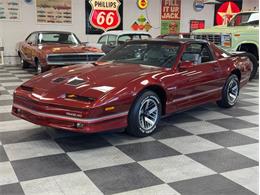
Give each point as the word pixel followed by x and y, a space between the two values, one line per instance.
pixel 225 29
pixel 88 80
pixel 67 48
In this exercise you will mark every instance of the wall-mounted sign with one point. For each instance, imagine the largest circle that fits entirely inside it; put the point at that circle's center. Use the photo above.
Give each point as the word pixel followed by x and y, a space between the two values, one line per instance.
pixel 226 10
pixel 10 10
pixel 54 12
pixel 198 5
pixel 170 18
pixel 197 24
pixel 141 24
pixel 103 15
pixel 142 4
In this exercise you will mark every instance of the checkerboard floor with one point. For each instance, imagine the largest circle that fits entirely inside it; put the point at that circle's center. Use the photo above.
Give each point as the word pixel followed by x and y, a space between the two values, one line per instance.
pixel 204 151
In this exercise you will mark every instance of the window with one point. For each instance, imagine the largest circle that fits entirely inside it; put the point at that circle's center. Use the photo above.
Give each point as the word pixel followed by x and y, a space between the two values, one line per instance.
pixel 152 54
pixel 63 38
pixel 244 19
pixel 197 53
pixel 31 38
pixel 103 40
pixel 111 40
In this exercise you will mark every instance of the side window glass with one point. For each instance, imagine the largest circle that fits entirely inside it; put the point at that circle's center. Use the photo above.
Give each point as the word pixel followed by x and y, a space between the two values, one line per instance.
pixel 111 40
pixel 31 38
pixel 102 40
pixel 192 53
pixel 197 53
pixel 206 55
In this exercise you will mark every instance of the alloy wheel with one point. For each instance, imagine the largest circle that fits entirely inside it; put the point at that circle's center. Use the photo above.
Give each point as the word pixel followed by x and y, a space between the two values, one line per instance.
pixel 148 114
pixel 233 91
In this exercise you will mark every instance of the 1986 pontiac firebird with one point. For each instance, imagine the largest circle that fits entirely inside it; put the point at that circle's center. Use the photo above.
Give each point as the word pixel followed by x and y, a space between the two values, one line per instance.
pixel 133 86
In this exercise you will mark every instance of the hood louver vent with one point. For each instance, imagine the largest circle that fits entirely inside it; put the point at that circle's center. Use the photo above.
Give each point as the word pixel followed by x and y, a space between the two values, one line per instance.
pixel 76 81
pixel 58 80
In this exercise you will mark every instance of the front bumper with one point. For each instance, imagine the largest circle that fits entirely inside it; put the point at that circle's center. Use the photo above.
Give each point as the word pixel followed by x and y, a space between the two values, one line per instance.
pixel 91 125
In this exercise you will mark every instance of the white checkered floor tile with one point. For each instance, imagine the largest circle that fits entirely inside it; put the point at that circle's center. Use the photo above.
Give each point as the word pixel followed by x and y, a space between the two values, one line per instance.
pixel 203 151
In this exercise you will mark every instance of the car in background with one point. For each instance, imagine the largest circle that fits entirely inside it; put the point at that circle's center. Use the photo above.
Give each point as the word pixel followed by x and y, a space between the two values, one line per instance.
pixel 174 36
pixel 133 86
pixel 240 34
pixel 111 39
pixel 49 49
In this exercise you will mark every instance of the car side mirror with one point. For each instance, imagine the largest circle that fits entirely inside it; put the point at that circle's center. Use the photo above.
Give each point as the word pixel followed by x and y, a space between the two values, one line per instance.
pixel 186 64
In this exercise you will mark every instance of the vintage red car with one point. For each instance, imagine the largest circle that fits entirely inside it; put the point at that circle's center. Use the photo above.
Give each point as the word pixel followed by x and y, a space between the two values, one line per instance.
pixel 48 49
pixel 133 86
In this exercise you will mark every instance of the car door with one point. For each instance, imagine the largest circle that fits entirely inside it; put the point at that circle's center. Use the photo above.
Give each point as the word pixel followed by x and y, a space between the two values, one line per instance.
pixel 201 82
pixel 28 47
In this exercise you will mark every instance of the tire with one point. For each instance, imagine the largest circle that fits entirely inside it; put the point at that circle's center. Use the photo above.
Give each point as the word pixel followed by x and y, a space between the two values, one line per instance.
pixel 141 123
pixel 24 64
pixel 255 65
pixel 38 67
pixel 230 92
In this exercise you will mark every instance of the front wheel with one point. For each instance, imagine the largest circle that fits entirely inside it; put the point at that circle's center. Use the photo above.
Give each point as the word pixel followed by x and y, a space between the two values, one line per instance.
pixel 23 63
pixel 38 67
pixel 230 92
pixel 144 114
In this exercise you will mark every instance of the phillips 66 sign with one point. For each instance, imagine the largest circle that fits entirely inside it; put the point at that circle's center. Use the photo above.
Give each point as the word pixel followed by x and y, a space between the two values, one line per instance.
pixel 103 15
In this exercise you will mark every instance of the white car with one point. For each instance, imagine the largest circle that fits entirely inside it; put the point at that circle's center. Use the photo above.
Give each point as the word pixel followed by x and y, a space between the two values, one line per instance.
pixel 109 40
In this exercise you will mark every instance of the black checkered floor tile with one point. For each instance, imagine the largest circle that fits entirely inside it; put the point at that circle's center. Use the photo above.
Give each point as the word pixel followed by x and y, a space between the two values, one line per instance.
pixel 204 151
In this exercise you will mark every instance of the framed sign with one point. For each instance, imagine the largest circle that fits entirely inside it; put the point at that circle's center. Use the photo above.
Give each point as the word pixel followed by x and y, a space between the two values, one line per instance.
pixel 103 15
pixel 226 10
pixel 10 10
pixel 170 18
pixel 53 12
pixel 197 24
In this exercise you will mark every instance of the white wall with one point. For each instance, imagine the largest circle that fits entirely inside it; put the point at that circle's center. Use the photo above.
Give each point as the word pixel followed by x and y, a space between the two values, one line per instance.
pixel 188 13
pixel 250 4
pixel 13 32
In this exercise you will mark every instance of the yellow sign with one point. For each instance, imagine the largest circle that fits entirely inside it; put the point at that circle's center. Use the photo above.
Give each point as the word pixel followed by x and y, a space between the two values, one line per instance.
pixel 142 4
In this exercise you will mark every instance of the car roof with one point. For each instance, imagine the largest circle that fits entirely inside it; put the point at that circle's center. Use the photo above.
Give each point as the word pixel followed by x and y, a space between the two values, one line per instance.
pixel 173 40
pixel 122 32
pixel 51 31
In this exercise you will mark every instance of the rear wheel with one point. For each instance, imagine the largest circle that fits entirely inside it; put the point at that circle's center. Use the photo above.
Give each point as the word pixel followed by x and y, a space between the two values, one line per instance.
pixel 144 114
pixel 230 92
pixel 255 65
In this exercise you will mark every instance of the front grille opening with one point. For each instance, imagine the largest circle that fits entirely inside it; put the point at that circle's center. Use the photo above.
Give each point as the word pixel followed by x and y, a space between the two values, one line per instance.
pixel 72 58
pixel 26 88
pixel 58 80
pixel 94 57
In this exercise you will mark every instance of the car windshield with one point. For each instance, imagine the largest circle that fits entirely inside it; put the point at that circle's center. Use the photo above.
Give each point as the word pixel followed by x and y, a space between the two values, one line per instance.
pixel 62 38
pixel 158 54
pixel 129 37
pixel 245 19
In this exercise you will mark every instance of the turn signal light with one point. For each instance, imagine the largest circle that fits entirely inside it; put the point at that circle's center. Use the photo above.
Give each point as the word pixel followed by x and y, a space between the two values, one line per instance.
pixel 79 98
pixel 110 108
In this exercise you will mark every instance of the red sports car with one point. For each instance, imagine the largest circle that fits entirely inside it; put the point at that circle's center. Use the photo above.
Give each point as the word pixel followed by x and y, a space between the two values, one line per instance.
pixel 133 86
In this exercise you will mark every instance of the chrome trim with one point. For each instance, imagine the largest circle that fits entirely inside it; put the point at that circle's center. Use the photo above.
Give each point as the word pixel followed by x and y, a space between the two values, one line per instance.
pixel 70 62
pixel 89 121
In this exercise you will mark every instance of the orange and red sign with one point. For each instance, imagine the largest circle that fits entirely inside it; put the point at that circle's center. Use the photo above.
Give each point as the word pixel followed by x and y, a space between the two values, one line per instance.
pixel 104 14
pixel 226 11
pixel 142 4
